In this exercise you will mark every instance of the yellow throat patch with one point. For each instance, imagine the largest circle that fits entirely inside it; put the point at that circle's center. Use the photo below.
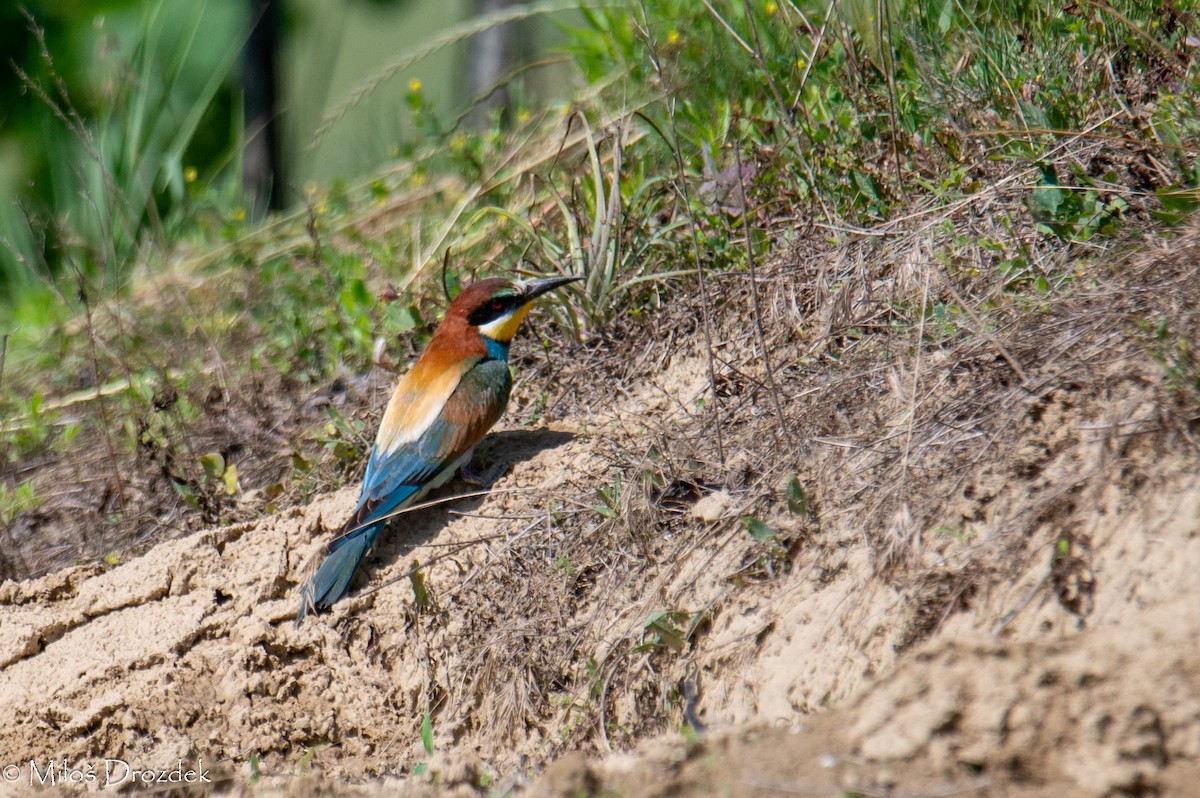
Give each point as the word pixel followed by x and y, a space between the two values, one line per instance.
pixel 504 328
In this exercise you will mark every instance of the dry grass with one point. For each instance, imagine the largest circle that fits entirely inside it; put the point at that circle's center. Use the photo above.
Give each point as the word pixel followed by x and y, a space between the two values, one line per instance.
pixel 909 428
pixel 901 428
pixel 901 425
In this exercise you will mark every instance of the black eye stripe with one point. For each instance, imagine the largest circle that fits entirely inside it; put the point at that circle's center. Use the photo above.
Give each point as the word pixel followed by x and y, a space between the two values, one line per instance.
pixel 493 309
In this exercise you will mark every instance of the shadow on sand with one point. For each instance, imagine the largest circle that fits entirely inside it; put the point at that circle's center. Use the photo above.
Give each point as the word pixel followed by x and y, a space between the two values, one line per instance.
pixel 411 530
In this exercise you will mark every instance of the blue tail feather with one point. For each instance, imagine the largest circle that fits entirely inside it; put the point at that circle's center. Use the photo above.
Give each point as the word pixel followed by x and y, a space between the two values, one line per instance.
pixel 332 579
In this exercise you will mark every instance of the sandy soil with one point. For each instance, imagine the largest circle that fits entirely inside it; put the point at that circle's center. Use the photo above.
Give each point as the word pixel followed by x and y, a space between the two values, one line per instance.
pixel 992 591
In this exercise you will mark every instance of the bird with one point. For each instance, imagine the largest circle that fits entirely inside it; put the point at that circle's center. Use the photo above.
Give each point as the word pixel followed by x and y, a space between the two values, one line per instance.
pixel 439 410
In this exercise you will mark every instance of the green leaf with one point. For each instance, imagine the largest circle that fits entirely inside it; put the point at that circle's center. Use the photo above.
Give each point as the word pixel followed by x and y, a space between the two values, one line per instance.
pixel 186 493
pixel 610 498
pixel 797 499
pixel 358 290
pixel 213 464
pixel 230 476
pixel 427 733
pixel 946 17
pixel 1178 201
pixel 16 500
pixel 420 594
pixel 69 432
pixel 757 529
pixel 1048 195
pixel 408 318
pixel 662 623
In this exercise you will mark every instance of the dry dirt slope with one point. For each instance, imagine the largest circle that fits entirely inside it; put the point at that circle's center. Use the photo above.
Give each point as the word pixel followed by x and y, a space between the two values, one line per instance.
pixel 994 591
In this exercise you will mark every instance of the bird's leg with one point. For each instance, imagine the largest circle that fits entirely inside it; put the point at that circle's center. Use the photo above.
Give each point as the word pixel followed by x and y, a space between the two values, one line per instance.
pixel 478 472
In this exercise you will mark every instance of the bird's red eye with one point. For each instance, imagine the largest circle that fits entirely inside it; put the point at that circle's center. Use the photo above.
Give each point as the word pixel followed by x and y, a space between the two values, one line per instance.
pixel 497 304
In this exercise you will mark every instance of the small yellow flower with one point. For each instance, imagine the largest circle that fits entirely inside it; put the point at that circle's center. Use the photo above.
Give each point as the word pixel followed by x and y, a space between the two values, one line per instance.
pixel 321 208
pixel 672 37
pixel 801 63
pixel 458 142
pixel 239 214
pixel 190 174
pixel 522 116
pixel 419 179
pixel 770 8
pixel 414 85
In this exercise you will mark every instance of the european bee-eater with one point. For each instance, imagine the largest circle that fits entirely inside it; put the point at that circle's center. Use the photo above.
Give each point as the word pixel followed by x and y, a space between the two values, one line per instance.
pixel 439 410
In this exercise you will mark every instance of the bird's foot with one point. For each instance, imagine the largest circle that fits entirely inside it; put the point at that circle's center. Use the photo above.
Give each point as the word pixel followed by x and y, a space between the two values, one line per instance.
pixel 483 475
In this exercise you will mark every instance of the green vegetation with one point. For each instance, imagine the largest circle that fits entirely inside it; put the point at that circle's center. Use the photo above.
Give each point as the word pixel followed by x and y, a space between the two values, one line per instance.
pixel 701 135
pixel 422 768
pixel 119 112
pixel 1176 354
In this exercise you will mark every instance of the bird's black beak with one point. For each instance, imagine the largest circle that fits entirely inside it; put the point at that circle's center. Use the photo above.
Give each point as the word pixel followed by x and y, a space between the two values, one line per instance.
pixel 535 288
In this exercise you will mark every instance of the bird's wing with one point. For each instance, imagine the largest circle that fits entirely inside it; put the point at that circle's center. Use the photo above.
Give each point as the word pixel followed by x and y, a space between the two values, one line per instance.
pixel 419 398
pixel 395 474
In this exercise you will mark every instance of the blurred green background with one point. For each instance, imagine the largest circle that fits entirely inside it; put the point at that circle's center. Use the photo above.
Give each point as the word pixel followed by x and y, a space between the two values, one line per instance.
pixel 114 113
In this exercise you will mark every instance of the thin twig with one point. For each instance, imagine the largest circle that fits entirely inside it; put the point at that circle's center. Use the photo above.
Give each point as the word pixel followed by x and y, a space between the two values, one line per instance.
pixel 1168 58
pixel 677 151
pixel 983 331
pixel 788 113
pixel 889 69
pixel 812 57
pixel 3 355
pixel 1012 614
pixel 912 404
pixel 412 508
pixel 453 550
pixel 85 298
pixel 758 323
pixel 729 28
